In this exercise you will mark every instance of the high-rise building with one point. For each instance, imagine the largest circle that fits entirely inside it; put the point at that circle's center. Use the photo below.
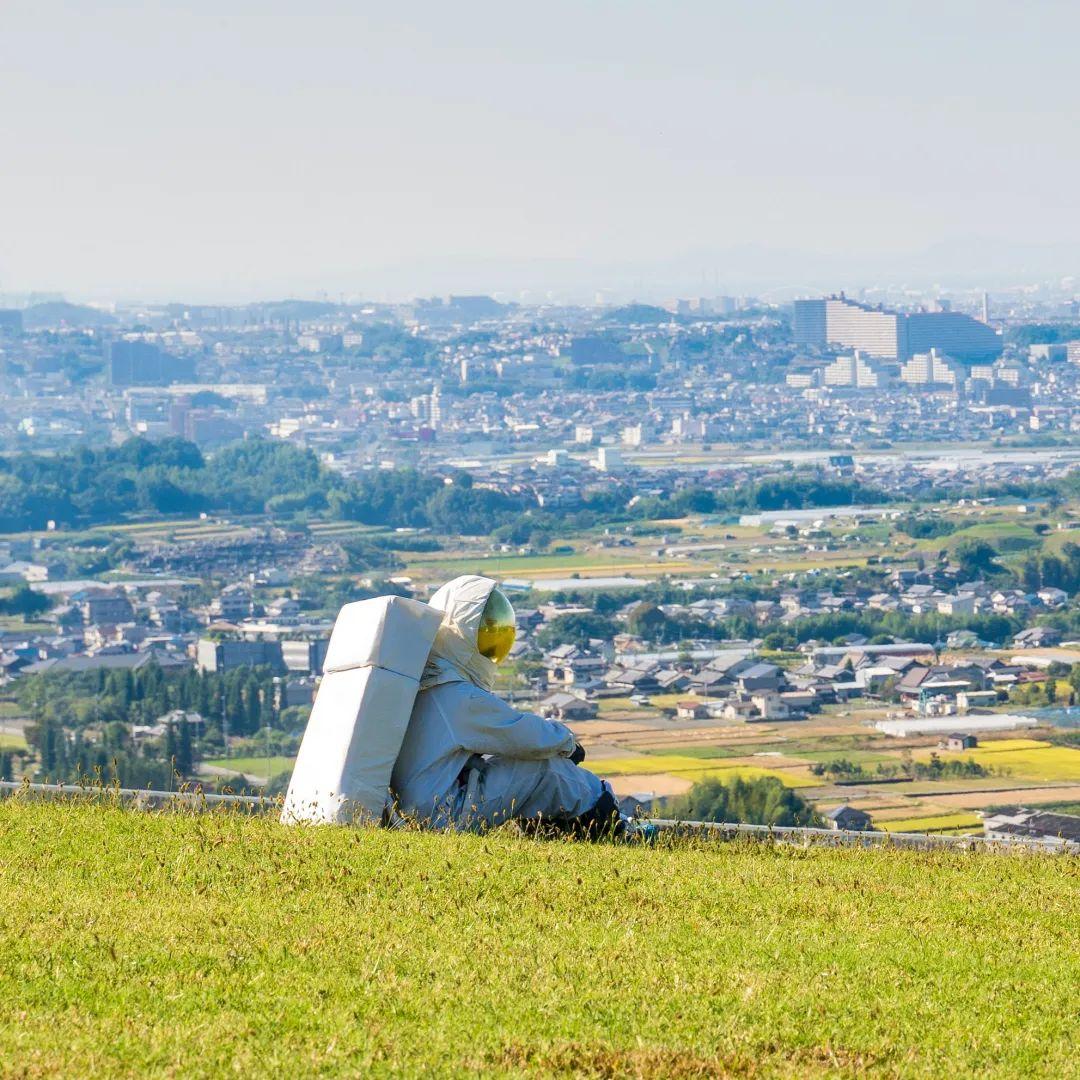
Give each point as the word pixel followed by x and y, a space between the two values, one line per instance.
pixel 892 335
pixel 428 408
pixel 858 371
pixel 1048 352
pixel 808 326
pixel 931 369
pixel 420 406
pixel 609 460
pixel 139 363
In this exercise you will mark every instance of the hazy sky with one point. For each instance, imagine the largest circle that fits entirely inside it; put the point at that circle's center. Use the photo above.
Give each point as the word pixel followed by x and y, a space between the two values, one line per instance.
pixel 172 151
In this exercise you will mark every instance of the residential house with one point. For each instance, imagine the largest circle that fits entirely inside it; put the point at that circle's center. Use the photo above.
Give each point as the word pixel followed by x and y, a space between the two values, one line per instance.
pixel 1050 829
pixel 690 710
pixel 15 572
pixel 231 604
pixel 1053 598
pixel 848 818
pixel 564 706
pixel 672 681
pixel 960 740
pixel 1036 637
pixel 569 665
pixel 106 607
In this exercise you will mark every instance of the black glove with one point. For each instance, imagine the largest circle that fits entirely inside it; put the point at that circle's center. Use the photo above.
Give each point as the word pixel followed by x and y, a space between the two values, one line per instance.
pixel 578 755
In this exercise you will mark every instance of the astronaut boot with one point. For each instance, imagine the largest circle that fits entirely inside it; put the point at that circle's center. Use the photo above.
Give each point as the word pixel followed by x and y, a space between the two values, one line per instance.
pixel 638 832
pixel 605 822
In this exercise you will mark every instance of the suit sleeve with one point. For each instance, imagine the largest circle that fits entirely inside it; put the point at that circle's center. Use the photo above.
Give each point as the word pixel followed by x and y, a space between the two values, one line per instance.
pixel 486 724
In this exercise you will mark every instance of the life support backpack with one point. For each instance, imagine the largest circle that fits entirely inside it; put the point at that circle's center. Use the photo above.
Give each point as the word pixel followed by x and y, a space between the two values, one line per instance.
pixel 371 675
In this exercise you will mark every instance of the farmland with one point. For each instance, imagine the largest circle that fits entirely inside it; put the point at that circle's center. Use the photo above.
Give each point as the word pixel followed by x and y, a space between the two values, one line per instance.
pixel 1026 759
pixel 698 768
pixel 943 823
pixel 645 753
pixel 639 744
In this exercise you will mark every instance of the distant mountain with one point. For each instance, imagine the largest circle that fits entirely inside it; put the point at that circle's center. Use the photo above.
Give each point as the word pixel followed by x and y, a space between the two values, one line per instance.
pixel 59 313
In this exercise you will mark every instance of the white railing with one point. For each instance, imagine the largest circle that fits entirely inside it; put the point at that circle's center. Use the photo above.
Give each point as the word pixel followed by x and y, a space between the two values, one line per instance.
pixel 850 838
pixel 145 799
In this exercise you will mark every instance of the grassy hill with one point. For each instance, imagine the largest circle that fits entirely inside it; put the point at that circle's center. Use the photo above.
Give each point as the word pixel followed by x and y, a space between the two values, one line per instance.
pixel 161 944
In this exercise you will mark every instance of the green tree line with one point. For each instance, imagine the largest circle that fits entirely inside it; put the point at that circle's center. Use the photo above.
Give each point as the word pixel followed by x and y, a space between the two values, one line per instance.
pixel 760 801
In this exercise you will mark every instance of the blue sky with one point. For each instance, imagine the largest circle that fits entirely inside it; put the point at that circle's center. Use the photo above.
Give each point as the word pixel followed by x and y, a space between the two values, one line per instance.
pixel 167 150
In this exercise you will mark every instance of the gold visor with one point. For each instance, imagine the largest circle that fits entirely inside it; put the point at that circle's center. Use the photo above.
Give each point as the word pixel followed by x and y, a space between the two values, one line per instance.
pixel 498 628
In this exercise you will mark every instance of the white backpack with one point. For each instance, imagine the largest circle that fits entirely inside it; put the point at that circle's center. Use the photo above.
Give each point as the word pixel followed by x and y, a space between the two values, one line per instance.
pixel 371 674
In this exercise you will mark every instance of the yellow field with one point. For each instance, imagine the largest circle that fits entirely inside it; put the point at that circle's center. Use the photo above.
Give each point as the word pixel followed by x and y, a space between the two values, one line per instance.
pixel 939 823
pixel 997 746
pixel 1027 759
pixel 693 768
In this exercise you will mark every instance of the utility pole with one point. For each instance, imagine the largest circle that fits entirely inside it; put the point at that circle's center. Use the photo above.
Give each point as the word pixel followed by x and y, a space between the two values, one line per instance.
pixel 224 722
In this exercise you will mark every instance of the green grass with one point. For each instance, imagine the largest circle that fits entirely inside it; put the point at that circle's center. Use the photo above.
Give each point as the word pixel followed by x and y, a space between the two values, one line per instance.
pixel 860 757
pixel 159 945
pixel 254 764
pixel 10 741
pixel 706 752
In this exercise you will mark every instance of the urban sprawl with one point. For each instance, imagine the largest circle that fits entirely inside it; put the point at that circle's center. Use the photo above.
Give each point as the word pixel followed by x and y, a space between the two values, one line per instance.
pixel 829 545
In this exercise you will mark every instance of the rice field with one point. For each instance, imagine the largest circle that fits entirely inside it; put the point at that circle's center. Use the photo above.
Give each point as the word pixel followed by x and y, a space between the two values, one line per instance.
pixel 939 823
pixel 698 768
pixel 1025 759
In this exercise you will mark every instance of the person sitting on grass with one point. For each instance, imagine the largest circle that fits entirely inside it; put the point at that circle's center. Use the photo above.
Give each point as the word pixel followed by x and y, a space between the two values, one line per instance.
pixel 469 760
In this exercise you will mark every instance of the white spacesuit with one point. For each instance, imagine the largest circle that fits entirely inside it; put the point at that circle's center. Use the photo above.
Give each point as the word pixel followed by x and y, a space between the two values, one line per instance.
pixel 468 758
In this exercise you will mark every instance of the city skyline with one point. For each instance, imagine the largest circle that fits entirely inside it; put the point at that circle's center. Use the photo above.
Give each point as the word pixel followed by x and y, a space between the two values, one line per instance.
pixel 623 147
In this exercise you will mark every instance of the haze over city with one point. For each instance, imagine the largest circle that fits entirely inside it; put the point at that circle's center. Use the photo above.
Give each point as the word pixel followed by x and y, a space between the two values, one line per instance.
pixel 159 152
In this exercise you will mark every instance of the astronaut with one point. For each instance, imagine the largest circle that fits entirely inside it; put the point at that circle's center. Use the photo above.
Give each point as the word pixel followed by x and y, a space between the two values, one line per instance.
pixel 469 760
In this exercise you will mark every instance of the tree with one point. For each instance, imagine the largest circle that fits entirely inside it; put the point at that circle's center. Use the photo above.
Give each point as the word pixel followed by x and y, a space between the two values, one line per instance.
pixel 761 801
pixel 977 558
pixel 185 753
pixel 25 602
pixel 1030 576
pixel 170 744
pixel 576 629
pixel 647 621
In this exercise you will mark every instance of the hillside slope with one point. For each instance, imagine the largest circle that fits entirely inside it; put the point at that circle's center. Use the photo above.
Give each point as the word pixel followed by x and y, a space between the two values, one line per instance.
pixel 135 943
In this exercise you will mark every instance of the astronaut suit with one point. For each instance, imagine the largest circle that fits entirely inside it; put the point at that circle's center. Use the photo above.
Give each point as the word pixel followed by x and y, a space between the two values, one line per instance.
pixel 469 759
